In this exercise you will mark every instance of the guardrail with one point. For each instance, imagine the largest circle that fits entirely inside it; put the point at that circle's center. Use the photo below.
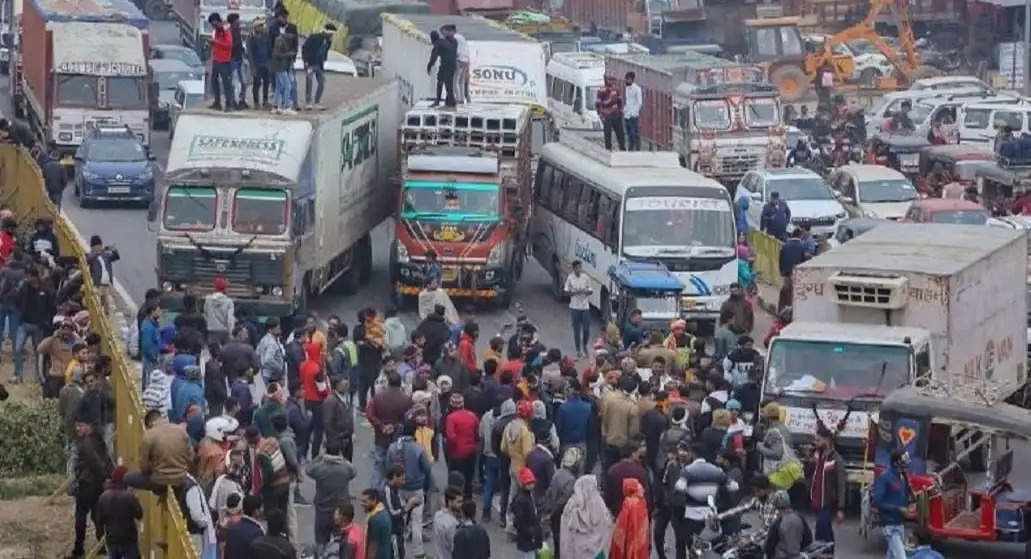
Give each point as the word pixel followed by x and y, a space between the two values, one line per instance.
pixel 766 250
pixel 163 529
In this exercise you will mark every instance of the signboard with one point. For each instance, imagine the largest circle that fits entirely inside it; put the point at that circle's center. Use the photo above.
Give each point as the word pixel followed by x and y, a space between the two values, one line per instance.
pixel 802 421
pixel 100 68
pixel 265 150
pixel 507 72
pixel 658 203
pixel 358 142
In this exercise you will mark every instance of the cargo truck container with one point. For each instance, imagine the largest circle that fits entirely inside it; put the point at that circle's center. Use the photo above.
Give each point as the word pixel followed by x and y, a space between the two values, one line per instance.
pixel 83 64
pixel 722 117
pixel 506 66
pixel 192 18
pixel 931 303
pixel 279 206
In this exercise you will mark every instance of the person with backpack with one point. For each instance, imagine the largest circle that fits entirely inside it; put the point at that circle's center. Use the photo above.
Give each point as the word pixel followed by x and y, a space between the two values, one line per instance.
pixel 411 456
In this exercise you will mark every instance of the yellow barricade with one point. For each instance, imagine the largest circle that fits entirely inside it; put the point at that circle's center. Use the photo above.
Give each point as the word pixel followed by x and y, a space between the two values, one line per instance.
pixel 767 257
pixel 309 18
pixel 163 530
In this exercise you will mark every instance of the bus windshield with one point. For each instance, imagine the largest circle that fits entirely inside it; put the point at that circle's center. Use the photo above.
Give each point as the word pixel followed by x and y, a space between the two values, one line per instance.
pixel 259 211
pixel 190 209
pixel 651 223
pixel 713 115
pixel 839 370
pixel 451 201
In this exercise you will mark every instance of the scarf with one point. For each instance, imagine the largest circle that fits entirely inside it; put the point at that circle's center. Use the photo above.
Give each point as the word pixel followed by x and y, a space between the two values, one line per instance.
pixel 630 538
pixel 586 522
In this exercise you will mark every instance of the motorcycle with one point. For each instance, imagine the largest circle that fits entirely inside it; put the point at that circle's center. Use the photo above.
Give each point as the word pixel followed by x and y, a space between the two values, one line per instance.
pixel 714 543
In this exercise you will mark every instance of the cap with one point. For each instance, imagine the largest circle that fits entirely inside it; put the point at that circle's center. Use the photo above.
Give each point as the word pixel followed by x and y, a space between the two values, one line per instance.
pixel 678 325
pixel 524 409
pixel 95 241
pixel 526 476
pixel 220 284
pixel 118 475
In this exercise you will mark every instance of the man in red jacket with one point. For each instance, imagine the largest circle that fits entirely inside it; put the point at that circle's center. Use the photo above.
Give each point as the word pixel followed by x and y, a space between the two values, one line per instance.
pixel 221 56
pixel 460 429
pixel 315 389
pixel 467 345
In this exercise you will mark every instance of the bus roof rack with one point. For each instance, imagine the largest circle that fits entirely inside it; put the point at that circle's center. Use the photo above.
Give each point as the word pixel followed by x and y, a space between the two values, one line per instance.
pixel 591 143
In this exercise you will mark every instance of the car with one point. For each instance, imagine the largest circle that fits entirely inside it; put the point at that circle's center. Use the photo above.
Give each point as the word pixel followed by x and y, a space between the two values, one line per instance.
pixel 947 210
pixel 188 93
pixel 869 63
pixel 168 73
pixel 336 63
pixel 111 165
pixel 810 200
pixel 183 54
pixel 853 227
pixel 873 191
pixel 950 83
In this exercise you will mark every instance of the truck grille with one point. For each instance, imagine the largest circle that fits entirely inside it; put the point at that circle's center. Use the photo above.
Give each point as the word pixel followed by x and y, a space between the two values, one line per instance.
pixel 696 264
pixel 738 164
pixel 243 273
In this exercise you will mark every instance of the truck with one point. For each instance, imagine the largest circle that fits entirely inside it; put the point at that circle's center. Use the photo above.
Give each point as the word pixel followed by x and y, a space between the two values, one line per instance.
pixel 466 194
pixel 936 305
pixel 10 20
pixel 81 65
pixel 505 66
pixel 722 117
pixel 192 19
pixel 279 206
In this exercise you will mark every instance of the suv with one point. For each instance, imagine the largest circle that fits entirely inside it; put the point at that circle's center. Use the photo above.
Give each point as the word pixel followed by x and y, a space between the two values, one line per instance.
pixel 873 191
pixel 112 165
pixel 810 200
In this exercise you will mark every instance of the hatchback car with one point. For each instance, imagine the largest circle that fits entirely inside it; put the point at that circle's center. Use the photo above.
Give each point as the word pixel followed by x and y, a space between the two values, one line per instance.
pixel 168 74
pixel 873 191
pixel 112 165
pixel 189 93
pixel 183 54
pixel 810 200
pixel 945 210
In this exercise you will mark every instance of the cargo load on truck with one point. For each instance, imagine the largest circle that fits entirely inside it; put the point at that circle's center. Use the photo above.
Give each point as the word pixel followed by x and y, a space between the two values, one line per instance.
pixel 465 194
pixel 505 66
pixel 300 195
pixel 723 118
pixel 83 64
pixel 933 304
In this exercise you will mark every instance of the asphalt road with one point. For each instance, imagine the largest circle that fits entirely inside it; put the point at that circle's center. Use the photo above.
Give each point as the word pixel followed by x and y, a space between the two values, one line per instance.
pixel 128 229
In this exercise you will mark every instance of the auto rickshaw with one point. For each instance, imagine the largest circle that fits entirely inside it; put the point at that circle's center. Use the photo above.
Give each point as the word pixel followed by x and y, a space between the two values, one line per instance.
pixel 1005 180
pixel 950 441
pixel 958 162
pixel 898 151
pixel 648 286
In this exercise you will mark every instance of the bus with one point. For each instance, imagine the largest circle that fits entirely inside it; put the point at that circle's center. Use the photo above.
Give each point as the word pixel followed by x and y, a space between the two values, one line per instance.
pixel 574 79
pixel 601 208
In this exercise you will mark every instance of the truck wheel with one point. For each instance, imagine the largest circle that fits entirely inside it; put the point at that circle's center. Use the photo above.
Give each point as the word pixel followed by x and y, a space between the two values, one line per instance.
pixel 364 260
pixel 791 81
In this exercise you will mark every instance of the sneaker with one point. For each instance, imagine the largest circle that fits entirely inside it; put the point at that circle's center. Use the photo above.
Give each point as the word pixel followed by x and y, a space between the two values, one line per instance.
pixel 434 104
pixel 289 111
pixel 307 107
pixel 276 110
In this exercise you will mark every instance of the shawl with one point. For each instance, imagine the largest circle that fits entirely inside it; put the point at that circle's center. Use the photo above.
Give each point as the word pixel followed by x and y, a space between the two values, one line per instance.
pixel 586 522
pixel 630 538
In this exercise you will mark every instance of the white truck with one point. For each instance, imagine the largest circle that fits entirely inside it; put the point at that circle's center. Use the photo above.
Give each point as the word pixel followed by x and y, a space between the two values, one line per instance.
pixel 279 206
pixel 935 304
pixel 192 18
pixel 505 66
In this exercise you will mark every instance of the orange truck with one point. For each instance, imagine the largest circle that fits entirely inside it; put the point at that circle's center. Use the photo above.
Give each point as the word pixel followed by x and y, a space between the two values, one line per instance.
pixel 465 194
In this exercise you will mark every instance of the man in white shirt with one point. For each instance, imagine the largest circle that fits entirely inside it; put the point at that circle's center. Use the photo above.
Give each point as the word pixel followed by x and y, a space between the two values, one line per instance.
pixel 631 111
pixel 462 75
pixel 578 288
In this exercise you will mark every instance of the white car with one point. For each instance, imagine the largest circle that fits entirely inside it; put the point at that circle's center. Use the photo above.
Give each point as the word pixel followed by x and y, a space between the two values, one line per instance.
pixel 810 200
pixel 188 93
pixel 941 83
pixel 873 191
pixel 336 63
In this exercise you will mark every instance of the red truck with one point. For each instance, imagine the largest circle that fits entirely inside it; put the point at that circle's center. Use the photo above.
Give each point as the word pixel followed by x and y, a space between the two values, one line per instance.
pixel 83 63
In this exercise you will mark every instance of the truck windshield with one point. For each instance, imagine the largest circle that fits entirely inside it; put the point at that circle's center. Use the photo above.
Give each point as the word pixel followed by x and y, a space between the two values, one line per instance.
pixel 126 92
pixel 75 90
pixel 712 115
pixel 450 201
pixel 892 190
pixel 653 222
pixel 761 113
pixel 835 369
pixel 190 208
pixel 260 211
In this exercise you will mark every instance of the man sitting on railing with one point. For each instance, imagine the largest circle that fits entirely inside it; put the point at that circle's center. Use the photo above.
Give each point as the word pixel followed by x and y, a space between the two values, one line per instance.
pixel 166 453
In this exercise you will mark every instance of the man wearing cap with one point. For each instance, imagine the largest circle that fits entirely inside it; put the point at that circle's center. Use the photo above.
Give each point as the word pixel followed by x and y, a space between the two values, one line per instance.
pixel 891 496
pixel 219 312
pixel 118 510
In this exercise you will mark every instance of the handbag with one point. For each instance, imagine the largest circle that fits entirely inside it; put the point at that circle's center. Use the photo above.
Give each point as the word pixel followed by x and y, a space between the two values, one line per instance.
pixel 789 471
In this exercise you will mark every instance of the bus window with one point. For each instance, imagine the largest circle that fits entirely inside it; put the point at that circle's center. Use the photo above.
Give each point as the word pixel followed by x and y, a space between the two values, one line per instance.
pixel 558 188
pixel 544 175
pixel 571 198
pixel 613 237
pixel 589 208
pixel 568 92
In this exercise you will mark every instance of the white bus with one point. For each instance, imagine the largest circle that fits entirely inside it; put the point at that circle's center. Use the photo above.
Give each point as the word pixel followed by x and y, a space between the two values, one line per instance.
pixel 602 207
pixel 574 79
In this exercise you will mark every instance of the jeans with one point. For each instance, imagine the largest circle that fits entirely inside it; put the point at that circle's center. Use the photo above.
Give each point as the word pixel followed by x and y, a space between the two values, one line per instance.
pixel 415 525
pixel 25 332
pixel 128 550
pixel 893 536
pixel 320 77
pixel 503 485
pixel 236 75
pixel 283 90
pixel 824 529
pixel 85 506
pixel 466 467
pixel 633 136
pixel 222 80
pixel 379 465
pixel 260 80
pixel 316 427
pixel 11 318
pixel 581 328
pixel 612 124
pixel 664 516
pixel 490 484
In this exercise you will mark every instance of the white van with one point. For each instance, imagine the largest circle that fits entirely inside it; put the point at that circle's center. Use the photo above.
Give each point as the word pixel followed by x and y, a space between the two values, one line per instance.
pixel 574 79
pixel 980 122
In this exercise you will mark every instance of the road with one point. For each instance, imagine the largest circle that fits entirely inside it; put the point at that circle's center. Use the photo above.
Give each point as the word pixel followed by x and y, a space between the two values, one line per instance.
pixel 129 230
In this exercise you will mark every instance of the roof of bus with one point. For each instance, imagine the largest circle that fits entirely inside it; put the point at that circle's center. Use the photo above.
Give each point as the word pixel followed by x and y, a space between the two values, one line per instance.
pixel 618 179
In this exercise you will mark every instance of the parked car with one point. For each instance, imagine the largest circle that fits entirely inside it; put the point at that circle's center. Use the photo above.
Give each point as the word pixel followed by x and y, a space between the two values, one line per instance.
pixel 112 165
pixel 168 73
pixel 873 191
pixel 183 54
pixel 950 83
pixel 947 210
pixel 188 93
pixel 336 63
pixel 810 200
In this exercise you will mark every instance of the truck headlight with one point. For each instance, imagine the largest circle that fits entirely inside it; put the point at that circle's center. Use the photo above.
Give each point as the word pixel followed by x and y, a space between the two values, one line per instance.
pixel 146 175
pixel 402 253
pixel 494 258
pixel 277 291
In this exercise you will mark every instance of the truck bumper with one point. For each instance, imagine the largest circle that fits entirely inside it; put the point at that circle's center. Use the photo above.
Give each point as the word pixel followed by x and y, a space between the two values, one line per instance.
pixel 475 281
pixel 256 307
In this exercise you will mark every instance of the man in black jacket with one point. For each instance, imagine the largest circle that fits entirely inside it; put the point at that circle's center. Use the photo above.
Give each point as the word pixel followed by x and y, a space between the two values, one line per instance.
pixel 338 418
pixel 471 539
pixel 445 49
pixel 93 468
pixel 437 334
pixel 99 259
pixel 37 306
pixel 118 509
pixel 314 54
pixel 236 60
pixel 240 535
pixel 274 544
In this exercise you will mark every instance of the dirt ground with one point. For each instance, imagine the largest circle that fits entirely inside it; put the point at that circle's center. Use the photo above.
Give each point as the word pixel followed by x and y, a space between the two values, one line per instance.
pixel 32 529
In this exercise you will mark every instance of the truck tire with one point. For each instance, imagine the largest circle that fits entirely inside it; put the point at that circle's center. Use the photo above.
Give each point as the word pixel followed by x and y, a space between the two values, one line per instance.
pixel 364 260
pixel 791 81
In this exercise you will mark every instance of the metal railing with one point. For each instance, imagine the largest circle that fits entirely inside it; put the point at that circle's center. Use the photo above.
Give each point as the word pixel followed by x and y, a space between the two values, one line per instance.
pixel 163 529
pixel 766 250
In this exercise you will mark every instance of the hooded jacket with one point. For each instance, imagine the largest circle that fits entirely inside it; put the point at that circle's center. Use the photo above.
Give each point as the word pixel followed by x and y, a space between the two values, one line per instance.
pixel 222 45
pixel 332 475
pixel 460 428
pixel 517 442
pixel 185 392
pixel 219 311
pixel 272 356
pixel 313 389
pixel 437 334
pixel 571 420
pixel 337 420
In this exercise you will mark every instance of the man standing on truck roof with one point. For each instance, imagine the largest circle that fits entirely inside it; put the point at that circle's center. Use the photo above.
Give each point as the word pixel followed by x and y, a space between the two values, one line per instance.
pixel 610 109
pixel 314 54
pixel 221 56
pixel 445 48
pixel 259 50
pixel 462 75
pixel 236 61
pixel 631 111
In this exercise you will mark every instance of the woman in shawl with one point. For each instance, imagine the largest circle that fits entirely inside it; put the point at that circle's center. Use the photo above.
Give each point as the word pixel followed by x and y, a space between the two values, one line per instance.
pixel 586 522
pixel 630 537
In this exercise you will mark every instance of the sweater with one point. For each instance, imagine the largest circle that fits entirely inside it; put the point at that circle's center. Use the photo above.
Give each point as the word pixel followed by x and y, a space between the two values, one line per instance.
pixel 118 509
pixel 221 45
pixel 332 475
pixel 460 434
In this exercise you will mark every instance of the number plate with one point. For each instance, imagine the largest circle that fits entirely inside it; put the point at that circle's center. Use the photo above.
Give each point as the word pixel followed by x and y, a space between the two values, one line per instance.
pixel 450 274
pixel 118 190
